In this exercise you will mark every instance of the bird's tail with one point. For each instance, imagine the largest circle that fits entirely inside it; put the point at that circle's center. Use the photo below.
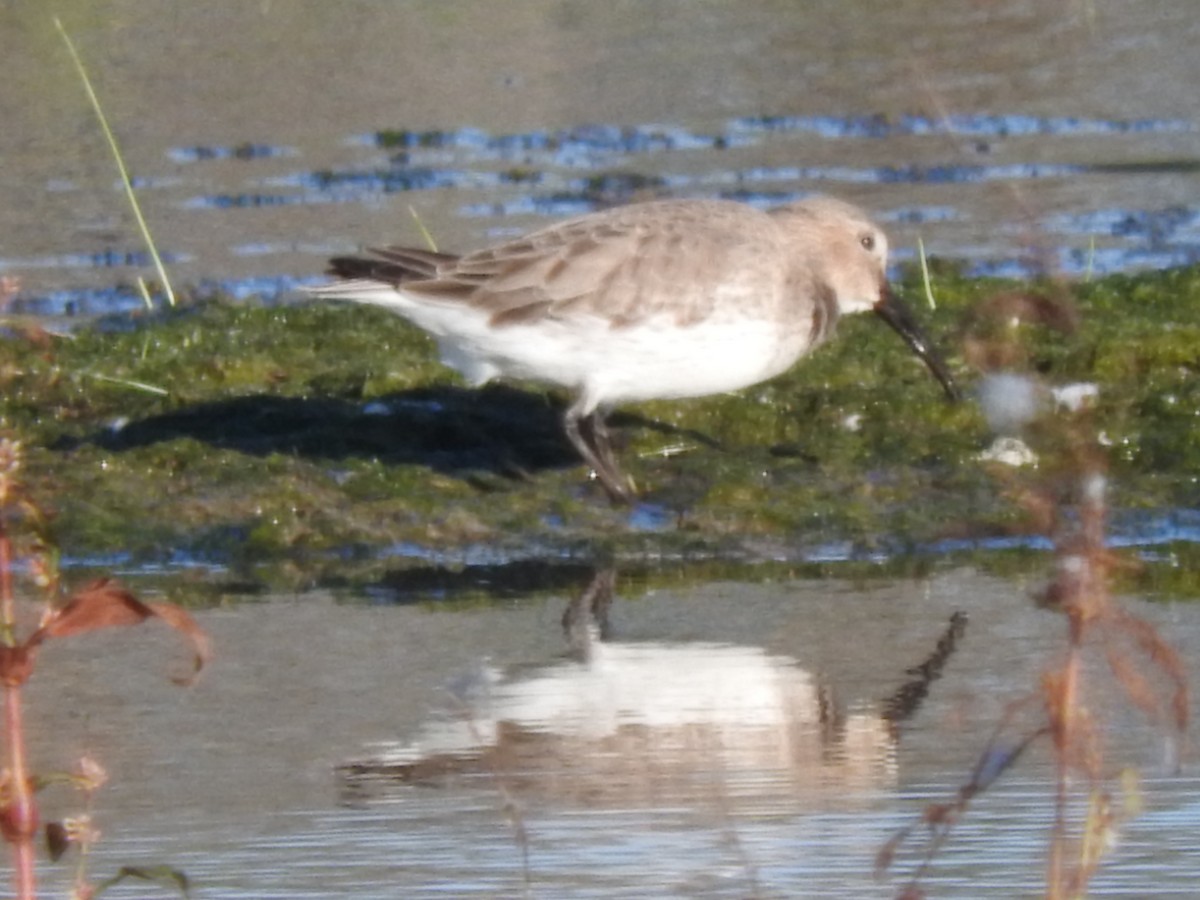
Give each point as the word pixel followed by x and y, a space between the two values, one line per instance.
pixel 391 265
pixel 375 277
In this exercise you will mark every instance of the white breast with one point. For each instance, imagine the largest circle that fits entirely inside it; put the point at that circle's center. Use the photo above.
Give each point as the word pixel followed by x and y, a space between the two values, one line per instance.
pixel 607 365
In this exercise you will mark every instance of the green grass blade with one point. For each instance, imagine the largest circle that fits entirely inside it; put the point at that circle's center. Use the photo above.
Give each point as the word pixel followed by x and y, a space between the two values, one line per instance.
pixel 130 383
pixel 925 273
pixel 116 152
pixel 425 235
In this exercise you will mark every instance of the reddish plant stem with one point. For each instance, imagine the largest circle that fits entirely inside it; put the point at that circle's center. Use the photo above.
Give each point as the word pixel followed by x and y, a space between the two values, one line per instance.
pixel 20 812
pixel 1088 595
pixel 7 613
pixel 1063 729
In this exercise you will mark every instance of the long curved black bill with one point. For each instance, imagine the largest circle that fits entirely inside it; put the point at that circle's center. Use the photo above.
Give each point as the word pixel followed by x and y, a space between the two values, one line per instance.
pixel 893 311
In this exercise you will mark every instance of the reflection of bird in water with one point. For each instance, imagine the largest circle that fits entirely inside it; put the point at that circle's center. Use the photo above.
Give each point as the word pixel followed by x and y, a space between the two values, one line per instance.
pixel 648 722
pixel 645 722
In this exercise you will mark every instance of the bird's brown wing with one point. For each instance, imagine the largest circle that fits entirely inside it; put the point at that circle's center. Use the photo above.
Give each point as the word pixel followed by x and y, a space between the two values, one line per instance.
pixel 623 265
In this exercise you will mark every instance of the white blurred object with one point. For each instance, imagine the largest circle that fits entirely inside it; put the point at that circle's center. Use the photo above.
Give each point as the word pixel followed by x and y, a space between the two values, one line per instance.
pixel 1077 396
pixel 1009 401
pixel 1011 451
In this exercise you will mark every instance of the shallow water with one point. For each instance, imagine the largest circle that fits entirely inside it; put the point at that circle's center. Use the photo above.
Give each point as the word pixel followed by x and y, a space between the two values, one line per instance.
pixel 731 740
pixel 1015 136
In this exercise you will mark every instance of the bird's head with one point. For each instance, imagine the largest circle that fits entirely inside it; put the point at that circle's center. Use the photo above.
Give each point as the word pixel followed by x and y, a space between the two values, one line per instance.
pixel 849 253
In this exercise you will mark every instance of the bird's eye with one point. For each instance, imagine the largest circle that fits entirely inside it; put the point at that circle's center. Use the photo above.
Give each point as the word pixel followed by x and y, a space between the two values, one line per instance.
pixel 868 242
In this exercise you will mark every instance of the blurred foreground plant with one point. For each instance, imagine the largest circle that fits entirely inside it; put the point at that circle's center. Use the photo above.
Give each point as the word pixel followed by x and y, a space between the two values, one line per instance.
pixel 28 560
pixel 1066 500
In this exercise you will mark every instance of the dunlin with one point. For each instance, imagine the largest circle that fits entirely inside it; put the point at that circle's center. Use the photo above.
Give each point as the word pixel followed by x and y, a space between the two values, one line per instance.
pixel 671 298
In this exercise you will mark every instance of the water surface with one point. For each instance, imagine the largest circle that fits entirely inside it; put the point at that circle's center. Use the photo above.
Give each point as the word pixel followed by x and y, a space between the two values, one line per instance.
pixel 1013 136
pixel 729 740
pixel 791 748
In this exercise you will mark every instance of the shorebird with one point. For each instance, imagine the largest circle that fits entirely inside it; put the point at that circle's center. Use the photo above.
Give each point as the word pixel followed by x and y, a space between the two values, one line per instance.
pixel 657 300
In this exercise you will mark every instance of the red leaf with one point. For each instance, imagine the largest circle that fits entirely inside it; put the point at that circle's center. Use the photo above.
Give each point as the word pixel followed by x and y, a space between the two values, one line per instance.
pixel 16 665
pixel 106 604
pixel 181 620
pixel 102 604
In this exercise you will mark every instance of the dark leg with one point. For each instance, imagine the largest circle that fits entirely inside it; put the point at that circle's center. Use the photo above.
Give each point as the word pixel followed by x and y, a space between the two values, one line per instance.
pixel 589 436
pixel 586 616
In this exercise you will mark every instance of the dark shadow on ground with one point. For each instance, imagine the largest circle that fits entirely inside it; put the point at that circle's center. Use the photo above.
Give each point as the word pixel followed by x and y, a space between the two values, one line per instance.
pixel 449 429
pixel 496 429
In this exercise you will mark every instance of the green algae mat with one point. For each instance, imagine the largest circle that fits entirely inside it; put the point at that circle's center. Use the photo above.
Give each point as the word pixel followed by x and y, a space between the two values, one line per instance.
pixel 287 443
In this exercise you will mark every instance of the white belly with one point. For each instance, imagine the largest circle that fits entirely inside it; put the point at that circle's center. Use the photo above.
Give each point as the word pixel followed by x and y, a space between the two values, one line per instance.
pixel 607 366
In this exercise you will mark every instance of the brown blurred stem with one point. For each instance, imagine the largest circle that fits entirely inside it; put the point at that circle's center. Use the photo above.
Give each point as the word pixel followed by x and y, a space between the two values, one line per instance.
pixel 20 813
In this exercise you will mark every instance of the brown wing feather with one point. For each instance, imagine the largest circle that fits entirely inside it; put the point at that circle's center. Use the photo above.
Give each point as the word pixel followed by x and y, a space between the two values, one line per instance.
pixel 625 264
